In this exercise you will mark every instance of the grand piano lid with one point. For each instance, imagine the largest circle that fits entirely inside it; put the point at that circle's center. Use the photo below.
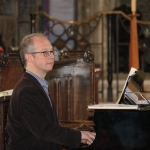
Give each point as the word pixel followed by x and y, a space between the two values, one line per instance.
pixel 133 86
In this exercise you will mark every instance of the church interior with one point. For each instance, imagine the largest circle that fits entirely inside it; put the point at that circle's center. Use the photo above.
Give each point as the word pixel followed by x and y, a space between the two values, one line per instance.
pixel 97 42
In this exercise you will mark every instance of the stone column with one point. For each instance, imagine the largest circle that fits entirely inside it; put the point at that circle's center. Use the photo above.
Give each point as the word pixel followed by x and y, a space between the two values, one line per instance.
pixel 86 9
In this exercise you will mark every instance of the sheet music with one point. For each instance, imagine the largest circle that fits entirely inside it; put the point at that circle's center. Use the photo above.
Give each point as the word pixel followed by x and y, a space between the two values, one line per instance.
pixel 131 95
pixel 6 93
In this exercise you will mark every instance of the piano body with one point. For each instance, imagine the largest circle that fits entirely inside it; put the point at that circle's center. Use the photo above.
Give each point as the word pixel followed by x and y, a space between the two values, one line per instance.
pixel 122 126
pixel 121 130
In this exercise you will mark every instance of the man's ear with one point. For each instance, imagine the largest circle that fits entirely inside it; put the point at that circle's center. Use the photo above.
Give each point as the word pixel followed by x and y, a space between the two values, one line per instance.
pixel 28 57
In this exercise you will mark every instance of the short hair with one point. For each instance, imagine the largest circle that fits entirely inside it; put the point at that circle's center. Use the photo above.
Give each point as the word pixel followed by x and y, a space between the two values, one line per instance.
pixel 27 46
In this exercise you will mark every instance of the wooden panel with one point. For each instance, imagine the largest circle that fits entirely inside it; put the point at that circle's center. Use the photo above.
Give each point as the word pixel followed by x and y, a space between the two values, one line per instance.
pixel 71 89
pixel 11 73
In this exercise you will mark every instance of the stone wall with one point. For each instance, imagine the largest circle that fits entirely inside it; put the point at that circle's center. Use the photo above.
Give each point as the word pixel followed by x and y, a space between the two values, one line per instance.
pixel 88 8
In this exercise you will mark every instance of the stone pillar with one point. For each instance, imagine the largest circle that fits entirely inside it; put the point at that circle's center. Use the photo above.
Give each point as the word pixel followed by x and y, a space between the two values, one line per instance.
pixel 86 9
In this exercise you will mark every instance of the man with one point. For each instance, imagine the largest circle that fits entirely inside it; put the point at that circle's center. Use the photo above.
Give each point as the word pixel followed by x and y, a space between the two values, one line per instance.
pixel 32 122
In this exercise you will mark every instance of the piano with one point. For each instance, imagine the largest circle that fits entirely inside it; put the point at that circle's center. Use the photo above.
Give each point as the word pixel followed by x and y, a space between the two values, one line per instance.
pixel 121 130
pixel 126 124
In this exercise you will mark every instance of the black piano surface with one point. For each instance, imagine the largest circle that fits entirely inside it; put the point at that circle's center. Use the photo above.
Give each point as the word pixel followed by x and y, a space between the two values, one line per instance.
pixel 121 130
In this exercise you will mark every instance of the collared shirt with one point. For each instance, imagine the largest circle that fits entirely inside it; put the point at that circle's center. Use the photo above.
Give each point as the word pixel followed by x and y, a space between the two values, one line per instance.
pixel 43 83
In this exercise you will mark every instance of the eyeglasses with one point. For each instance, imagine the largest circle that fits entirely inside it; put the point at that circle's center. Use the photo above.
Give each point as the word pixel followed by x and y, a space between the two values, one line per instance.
pixel 45 53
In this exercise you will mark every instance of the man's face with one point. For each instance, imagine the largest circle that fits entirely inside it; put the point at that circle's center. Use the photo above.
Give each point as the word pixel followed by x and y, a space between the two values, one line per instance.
pixel 42 63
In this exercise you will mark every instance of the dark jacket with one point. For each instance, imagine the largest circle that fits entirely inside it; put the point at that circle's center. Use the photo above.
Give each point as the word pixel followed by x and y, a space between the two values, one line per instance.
pixel 32 122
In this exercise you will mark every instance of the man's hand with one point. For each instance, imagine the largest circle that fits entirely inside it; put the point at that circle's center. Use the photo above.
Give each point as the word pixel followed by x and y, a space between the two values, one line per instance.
pixel 87 137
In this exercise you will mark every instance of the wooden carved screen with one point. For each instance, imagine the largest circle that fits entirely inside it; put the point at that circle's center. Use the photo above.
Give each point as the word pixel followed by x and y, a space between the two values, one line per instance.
pixel 71 87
